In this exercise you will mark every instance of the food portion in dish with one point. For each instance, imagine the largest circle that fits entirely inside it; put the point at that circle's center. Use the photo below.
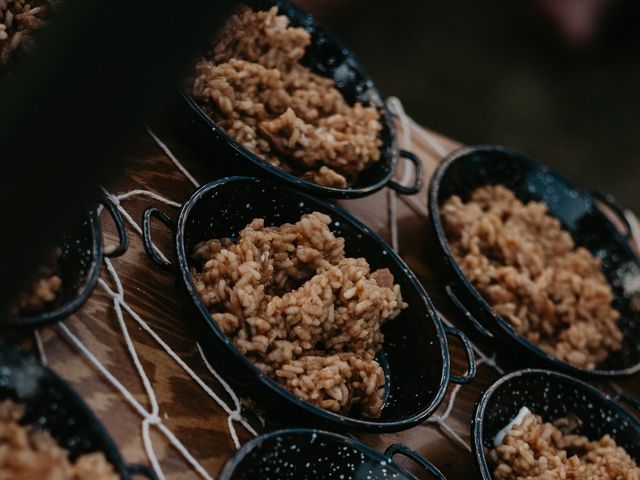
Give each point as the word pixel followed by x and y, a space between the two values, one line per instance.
pixel 42 289
pixel 27 453
pixel 532 274
pixel 19 19
pixel 302 311
pixel 255 88
pixel 535 450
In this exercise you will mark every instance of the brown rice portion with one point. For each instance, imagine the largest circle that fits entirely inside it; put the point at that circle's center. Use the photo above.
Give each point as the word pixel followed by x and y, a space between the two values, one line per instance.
pixel 535 450
pixel 532 274
pixel 255 88
pixel 18 20
pixel 300 310
pixel 43 289
pixel 29 454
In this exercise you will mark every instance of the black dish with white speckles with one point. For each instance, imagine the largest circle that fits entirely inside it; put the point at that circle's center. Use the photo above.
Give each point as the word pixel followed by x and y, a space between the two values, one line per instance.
pixel 51 405
pixel 326 57
pixel 551 395
pixel 304 454
pixel 416 352
pixel 581 215
pixel 79 264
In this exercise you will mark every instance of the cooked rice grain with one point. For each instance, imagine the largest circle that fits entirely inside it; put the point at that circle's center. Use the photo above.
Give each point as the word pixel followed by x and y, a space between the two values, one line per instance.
pixel 255 88
pixel 19 19
pixel 530 271
pixel 43 288
pixel 300 310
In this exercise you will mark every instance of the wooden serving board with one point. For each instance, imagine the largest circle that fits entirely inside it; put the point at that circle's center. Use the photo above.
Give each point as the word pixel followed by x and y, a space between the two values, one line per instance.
pixel 184 407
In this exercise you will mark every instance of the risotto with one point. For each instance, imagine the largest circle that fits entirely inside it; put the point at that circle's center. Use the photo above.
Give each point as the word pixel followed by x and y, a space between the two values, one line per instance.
pixel 255 88
pixel 19 19
pixel 301 310
pixel 29 454
pixel 530 271
pixel 535 450
pixel 43 288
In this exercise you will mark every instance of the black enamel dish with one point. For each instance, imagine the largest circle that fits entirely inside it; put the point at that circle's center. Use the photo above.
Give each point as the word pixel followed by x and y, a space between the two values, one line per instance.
pixel 304 454
pixel 327 57
pixel 581 215
pixel 79 263
pixel 415 347
pixel 551 395
pixel 51 405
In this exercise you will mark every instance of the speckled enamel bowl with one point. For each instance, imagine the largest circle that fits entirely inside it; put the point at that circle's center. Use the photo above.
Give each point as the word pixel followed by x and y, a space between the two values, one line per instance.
pixel 303 454
pixel 551 395
pixel 51 405
pixel 327 57
pixel 415 352
pixel 80 263
pixel 581 214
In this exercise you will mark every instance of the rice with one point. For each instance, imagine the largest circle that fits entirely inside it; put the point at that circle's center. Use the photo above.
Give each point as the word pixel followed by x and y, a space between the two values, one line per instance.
pixel 300 310
pixel 532 274
pixel 256 89
pixel 19 19
pixel 28 454
pixel 42 289
pixel 535 450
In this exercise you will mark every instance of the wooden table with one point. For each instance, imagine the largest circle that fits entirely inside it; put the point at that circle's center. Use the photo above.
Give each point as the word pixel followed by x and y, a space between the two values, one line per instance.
pixel 184 407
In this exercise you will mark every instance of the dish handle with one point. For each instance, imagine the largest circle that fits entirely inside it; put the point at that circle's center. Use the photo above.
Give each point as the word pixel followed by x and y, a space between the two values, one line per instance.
pixel 152 251
pixel 467 314
pixel 123 244
pixel 419 174
pixel 610 202
pixel 470 374
pixel 142 470
pixel 399 449
pixel 623 397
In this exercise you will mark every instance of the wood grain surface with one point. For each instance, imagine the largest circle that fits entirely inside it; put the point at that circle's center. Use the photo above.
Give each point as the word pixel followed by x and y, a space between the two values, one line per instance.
pixel 192 415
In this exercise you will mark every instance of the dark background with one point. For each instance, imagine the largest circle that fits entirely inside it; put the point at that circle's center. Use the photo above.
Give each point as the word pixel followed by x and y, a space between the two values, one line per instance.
pixel 501 71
